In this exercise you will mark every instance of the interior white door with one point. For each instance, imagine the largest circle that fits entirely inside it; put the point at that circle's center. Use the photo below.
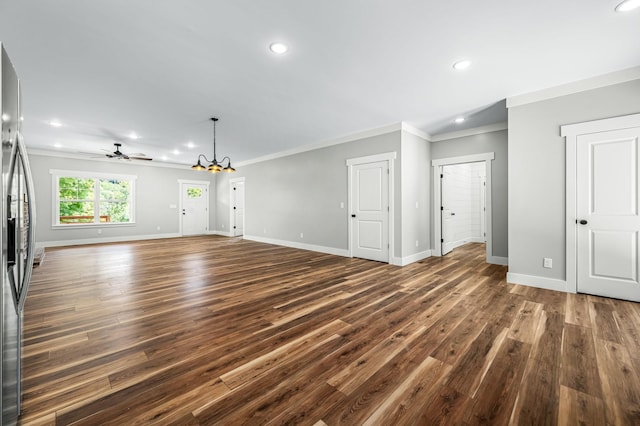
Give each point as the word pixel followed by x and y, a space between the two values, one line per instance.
pixel 195 208
pixel 608 234
pixel 447 215
pixel 237 196
pixel 370 211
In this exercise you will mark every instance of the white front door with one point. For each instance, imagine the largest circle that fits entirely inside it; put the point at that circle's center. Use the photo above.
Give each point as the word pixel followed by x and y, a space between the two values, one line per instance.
pixel 608 220
pixel 194 198
pixel 237 198
pixel 370 211
pixel 447 214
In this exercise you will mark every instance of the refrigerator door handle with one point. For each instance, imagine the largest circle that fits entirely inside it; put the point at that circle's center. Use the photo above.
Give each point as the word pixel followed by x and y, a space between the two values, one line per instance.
pixel 31 221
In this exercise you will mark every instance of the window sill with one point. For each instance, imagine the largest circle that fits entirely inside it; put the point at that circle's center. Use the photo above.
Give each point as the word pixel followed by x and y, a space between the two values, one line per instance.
pixel 93 225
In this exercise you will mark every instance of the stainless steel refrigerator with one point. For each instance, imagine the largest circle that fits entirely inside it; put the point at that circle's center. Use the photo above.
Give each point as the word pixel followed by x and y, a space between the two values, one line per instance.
pixel 16 234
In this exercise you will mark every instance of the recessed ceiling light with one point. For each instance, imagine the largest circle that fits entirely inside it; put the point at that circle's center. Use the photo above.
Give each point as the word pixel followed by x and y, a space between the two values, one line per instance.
pixel 57 145
pixel 133 136
pixel 459 120
pixel 278 48
pixel 55 123
pixel 164 158
pixel 627 5
pixel 461 65
pixel 5 117
pixel 190 145
pixel 176 152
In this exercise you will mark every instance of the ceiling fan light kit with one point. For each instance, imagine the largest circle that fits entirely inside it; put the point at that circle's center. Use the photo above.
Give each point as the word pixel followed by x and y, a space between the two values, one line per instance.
pixel 214 166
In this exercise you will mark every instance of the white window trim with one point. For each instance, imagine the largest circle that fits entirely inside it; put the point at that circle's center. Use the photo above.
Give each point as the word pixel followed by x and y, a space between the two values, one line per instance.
pixel 56 174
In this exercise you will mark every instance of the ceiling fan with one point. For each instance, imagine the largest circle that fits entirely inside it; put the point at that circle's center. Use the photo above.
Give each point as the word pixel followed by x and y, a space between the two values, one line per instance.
pixel 122 156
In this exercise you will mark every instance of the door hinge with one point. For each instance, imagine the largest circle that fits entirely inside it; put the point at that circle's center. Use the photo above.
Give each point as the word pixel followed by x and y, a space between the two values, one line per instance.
pixel 441 175
pixel 441 208
pixel 442 240
pixel 388 171
pixel 388 209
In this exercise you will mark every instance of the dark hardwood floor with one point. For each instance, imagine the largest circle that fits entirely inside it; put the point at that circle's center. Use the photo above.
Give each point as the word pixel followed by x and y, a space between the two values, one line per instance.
pixel 214 330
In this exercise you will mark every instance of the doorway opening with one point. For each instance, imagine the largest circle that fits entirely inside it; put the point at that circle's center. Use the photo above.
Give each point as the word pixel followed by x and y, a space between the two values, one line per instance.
pixel 462 189
pixel 438 207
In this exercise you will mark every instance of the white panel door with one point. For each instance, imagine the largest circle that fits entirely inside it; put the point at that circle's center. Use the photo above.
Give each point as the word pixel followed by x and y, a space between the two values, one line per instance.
pixel 447 215
pixel 370 215
pixel 237 190
pixel 608 234
pixel 195 208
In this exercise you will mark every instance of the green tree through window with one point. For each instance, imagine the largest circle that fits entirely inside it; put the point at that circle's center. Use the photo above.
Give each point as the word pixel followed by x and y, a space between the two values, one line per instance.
pixel 78 198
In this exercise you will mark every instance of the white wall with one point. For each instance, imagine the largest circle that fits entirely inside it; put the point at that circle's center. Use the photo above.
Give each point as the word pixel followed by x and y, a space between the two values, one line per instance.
pixel 156 189
pixel 303 192
pixel 537 173
pixel 416 208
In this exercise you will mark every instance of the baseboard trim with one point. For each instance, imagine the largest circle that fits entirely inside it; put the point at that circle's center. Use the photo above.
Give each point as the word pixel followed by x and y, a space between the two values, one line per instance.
pixel 539 282
pixel 223 233
pixel 497 260
pixel 297 245
pixel 79 242
pixel 403 261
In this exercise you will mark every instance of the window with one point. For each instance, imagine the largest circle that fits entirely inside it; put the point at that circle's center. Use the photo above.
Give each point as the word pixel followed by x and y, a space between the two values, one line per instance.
pixel 85 198
pixel 194 192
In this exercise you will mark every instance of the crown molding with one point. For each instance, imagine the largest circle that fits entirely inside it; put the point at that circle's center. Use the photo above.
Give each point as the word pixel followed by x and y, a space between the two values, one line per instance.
pixel 470 132
pixel 597 82
pixel 75 156
pixel 416 132
pixel 324 144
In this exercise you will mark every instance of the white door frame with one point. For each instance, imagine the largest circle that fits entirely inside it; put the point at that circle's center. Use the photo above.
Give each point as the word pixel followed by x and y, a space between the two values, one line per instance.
pixel 570 133
pixel 389 157
pixel 487 157
pixel 232 218
pixel 191 182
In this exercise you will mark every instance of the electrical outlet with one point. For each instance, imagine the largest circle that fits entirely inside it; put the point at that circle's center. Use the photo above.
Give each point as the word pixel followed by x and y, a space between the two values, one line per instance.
pixel 547 262
pixel 265 230
pixel 222 225
pixel 342 205
pixel 99 231
pixel 157 228
pixel 301 235
pixel 417 243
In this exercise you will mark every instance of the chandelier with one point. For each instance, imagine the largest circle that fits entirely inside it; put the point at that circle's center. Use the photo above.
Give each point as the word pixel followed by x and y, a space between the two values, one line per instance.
pixel 214 166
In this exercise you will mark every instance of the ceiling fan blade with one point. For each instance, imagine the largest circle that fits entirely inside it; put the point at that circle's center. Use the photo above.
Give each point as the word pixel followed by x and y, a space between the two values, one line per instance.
pixel 140 158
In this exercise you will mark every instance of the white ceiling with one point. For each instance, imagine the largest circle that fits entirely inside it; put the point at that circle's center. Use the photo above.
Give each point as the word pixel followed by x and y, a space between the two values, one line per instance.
pixel 161 68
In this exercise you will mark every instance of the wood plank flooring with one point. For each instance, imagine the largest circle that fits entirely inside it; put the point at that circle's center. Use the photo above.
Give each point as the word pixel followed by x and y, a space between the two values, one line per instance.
pixel 215 330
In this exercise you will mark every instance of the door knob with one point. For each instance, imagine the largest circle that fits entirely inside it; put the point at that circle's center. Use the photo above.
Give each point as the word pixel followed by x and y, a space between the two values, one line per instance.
pixel 353 215
pixel 583 222
pixel 453 214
